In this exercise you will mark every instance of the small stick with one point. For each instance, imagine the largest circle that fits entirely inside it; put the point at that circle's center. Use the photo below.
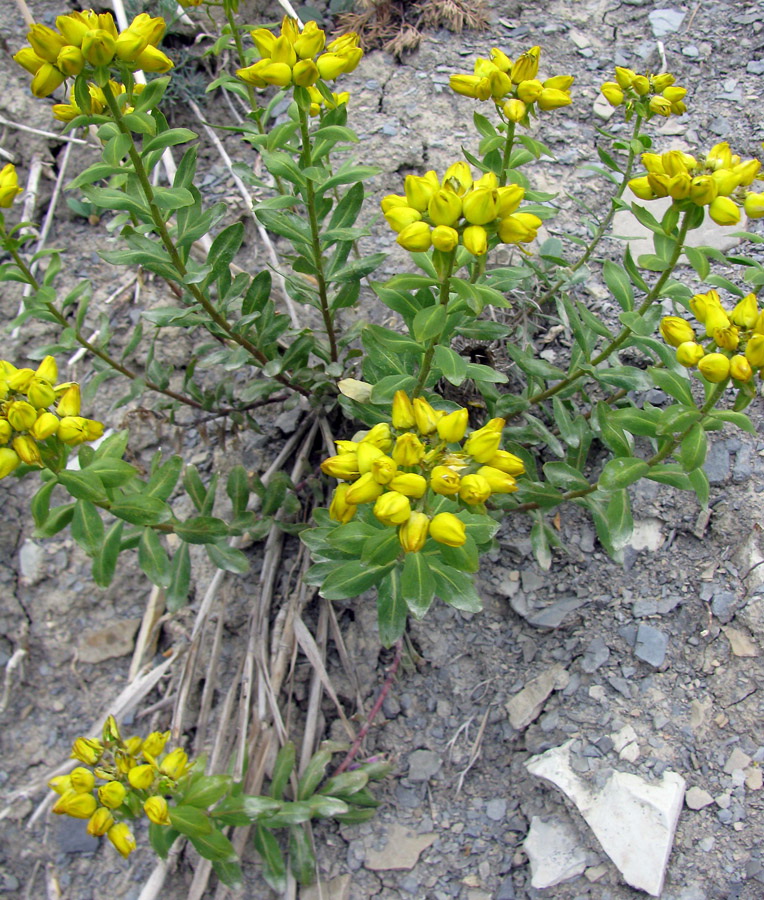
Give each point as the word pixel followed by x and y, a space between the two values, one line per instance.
pixel 316 690
pixel 347 665
pixel 6 154
pixel 289 10
pixel 48 134
pixel 352 752
pixel 32 190
pixel 26 15
pixel 210 682
pixel 15 662
pixel 477 745
pixel 147 634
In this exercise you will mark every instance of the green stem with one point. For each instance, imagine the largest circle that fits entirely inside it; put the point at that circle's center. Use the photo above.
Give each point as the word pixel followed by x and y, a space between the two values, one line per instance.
pixel 445 286
pixel 508 144
pixel 315 237
pixel 625 332
pixel 236 34
pixel 605 223
pixel 180 267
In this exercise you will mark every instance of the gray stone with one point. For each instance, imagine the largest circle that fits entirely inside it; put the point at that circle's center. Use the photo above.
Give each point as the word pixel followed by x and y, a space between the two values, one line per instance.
pixel 401 849
pixel 717 464
pixel 553 616
pixel 755 67
pixel 697 798
pixel 496 809
pixel 737 760
pixel 650 645
pixel 664 21
pixel 506 889
pixel 723 606
pixel 108 643
pixel 72 836
pixel 554 851
pixel 31 562
pixel 526 705
pixel 596 655
pixel 690 51
pixel 9 882
pixel 633 820
pixel 423 764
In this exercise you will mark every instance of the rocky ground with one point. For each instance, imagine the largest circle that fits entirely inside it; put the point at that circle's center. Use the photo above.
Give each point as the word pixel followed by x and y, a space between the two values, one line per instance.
pixel 627 684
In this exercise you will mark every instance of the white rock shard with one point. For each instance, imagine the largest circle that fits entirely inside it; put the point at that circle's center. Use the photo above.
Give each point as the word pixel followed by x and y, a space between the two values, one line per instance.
pixel 554 852
pixel 633 820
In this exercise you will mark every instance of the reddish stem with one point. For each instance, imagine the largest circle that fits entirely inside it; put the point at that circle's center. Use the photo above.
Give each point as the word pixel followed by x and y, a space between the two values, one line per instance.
pixel 391 672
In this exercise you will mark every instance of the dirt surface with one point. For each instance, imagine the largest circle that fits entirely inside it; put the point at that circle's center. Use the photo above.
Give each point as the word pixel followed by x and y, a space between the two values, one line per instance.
pixel 658 660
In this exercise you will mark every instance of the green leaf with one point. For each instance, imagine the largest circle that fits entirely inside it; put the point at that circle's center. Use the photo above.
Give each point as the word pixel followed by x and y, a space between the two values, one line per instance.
pixel 699 482
pixel 282 769
pixel 112 472
pixel 205 790
pixel 540 544
pixel 698 260
pixel 454 587
pixel 180 570
pixel 162 482
pixel 87 527
pixel 351 579
pixel 214 846
pixel 40 504
pixel 617 279
pixel 529 364
pixel 741 420
pixel 82 486
pixel 392 609
pixel 417 584
pixel 274 868
pixel 190 821
pixel 244 809
pixel 162 838
pixel 237 488
pixel 452 365
pixel 314 774
pixel 302 862
pixel 229 872
pixel 345 785
pixel 670 474
pixel 139 509
pixel 170 138
pixel 201 530
pixel 429 323
pixel 564 476
pixel 57 519
pixel 292 813
pixel 227 558
pixel 673 384
pixel 153 559
pixel 106 562
pixel 621 472
pixel 693 449
pixel 357 269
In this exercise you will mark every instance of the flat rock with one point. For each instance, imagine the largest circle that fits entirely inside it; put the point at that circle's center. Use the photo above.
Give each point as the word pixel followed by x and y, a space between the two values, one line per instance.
pixel 737 760
pixel 336 889
pixel 108 643
pixel 554 851
pixel 740 642
pixel 31 563
pixel 633 820
pixel 526 705
pixel 665 21
pixel 596 655
pixel 552 616
pixel 640 238
pixel 697 798
pixel 650 645
pixel 423 764
pixel 400 851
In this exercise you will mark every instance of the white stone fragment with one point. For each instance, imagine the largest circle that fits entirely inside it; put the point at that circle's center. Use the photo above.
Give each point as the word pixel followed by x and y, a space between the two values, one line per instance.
pixel 554 852
pixel 527 704
pixel 633 820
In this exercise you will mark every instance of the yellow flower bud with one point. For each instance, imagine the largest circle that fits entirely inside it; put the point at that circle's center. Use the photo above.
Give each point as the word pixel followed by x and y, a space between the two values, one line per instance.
pixel 444 480
pixel 445 207
pixel 20 379
pixel 98 47
pixel 9 460
pixel 100 822
pixel 46 42
pixel 446 529
pixel 673 162
pixel 745 312
pixel 499 482
pixel 310 42
pixel 390 201
pixel 612 93
pixel 726 181
pixel 276 73
pixel 69 401
pixel 529 91
pixel 660 184
pixel 499 83
pixel 61 784
pixel 740 369
pixel 676 331
pixel 444 238
pixel 403 411
pixel 474 489
pixel 413 533
pixel 724 211
pixel 175 764
pixel 754 351
pixel 74 26
pixel 689 354
pixel 747 171
pixel 458 177
pixel 409 484
pixel 343 466
pixel 451 428
pixel 500 59
pixel 480 206
pixel 727 338
pixel 515 110
pixel 560 82
pixel 507 462
pixel 40 394
pixel 283 52
pixel 380 436
pixel 332 65
pixel 519 228
pixel 305 73
pixel 420 189
pixel 510 198
pixel 364 490
pixel 526 66
pixel 703 190
pixel 719 156
pixel 29 60
pixel 47 78
pixel 70 61
pixel 679 186
pixel 640 85
pixel 624 77
pixel 383 468
pixel 21 415
pixel 367 452
pixel 400 216
pixel 714 367
pixel 113 793
pixel 425 416
pixel 550 98
pixel 758 325
pixel 339 509
pixel 134 745
pixel 663 81
pixel 264 40
pixel 392 508
pixel 81 780
pixel 475 239
pixel 701 303
pixel 150 27
pixel 157 811
pixel 716 319
pixel 122 838
pixel 129 45
pixel 470 86
pixel 754 205
pixel 642 188
pixel 415 237
pixel 6 432
pixel 155 742
pixel 87 750
pixel 27 449
pixel 140 777
pixel 408 450
pixel 78 806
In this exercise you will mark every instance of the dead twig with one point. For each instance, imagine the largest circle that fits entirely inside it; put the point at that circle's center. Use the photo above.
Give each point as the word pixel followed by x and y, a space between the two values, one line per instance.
pixel 477 746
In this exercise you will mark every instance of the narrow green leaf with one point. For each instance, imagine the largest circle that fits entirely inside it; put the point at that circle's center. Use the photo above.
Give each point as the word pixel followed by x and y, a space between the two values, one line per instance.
pixel 693 449
pixel 617 279
pixel 392 609
pixel 201 530
pixel 138 509
pixel 282 769
pixel 417 584
pixel 153 559
pixel 106 562
pixel 180 582
pixel 621 472
pixel 214 846
pixel 274 868
pixel 190 821
pixel 87 527
pixel 351 579
pixel 302 862
pixel 455 588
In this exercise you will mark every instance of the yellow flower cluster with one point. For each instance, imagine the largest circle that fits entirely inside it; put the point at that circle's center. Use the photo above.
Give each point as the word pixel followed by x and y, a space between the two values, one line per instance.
pixel 400 468
pixel 9 186
pixel 87 40
pixel 736 338
pixel 458 210
pixel 513 86
pixel 65 112
pixel 297 57
pixel 25 418
pixel 717 180
pixel 653 95
pixel 134 775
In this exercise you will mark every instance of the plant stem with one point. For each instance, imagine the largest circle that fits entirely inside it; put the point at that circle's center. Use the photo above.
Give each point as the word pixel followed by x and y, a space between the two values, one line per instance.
pixel 424 369
pixel 236 34
pixel 180 267
pixel 605 223
pixel 315 234
pixel 623 335
pixel 508 144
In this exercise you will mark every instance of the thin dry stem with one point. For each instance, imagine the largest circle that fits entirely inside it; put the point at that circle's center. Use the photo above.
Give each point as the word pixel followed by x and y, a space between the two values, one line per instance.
pixel 145 644
pixel 313 717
